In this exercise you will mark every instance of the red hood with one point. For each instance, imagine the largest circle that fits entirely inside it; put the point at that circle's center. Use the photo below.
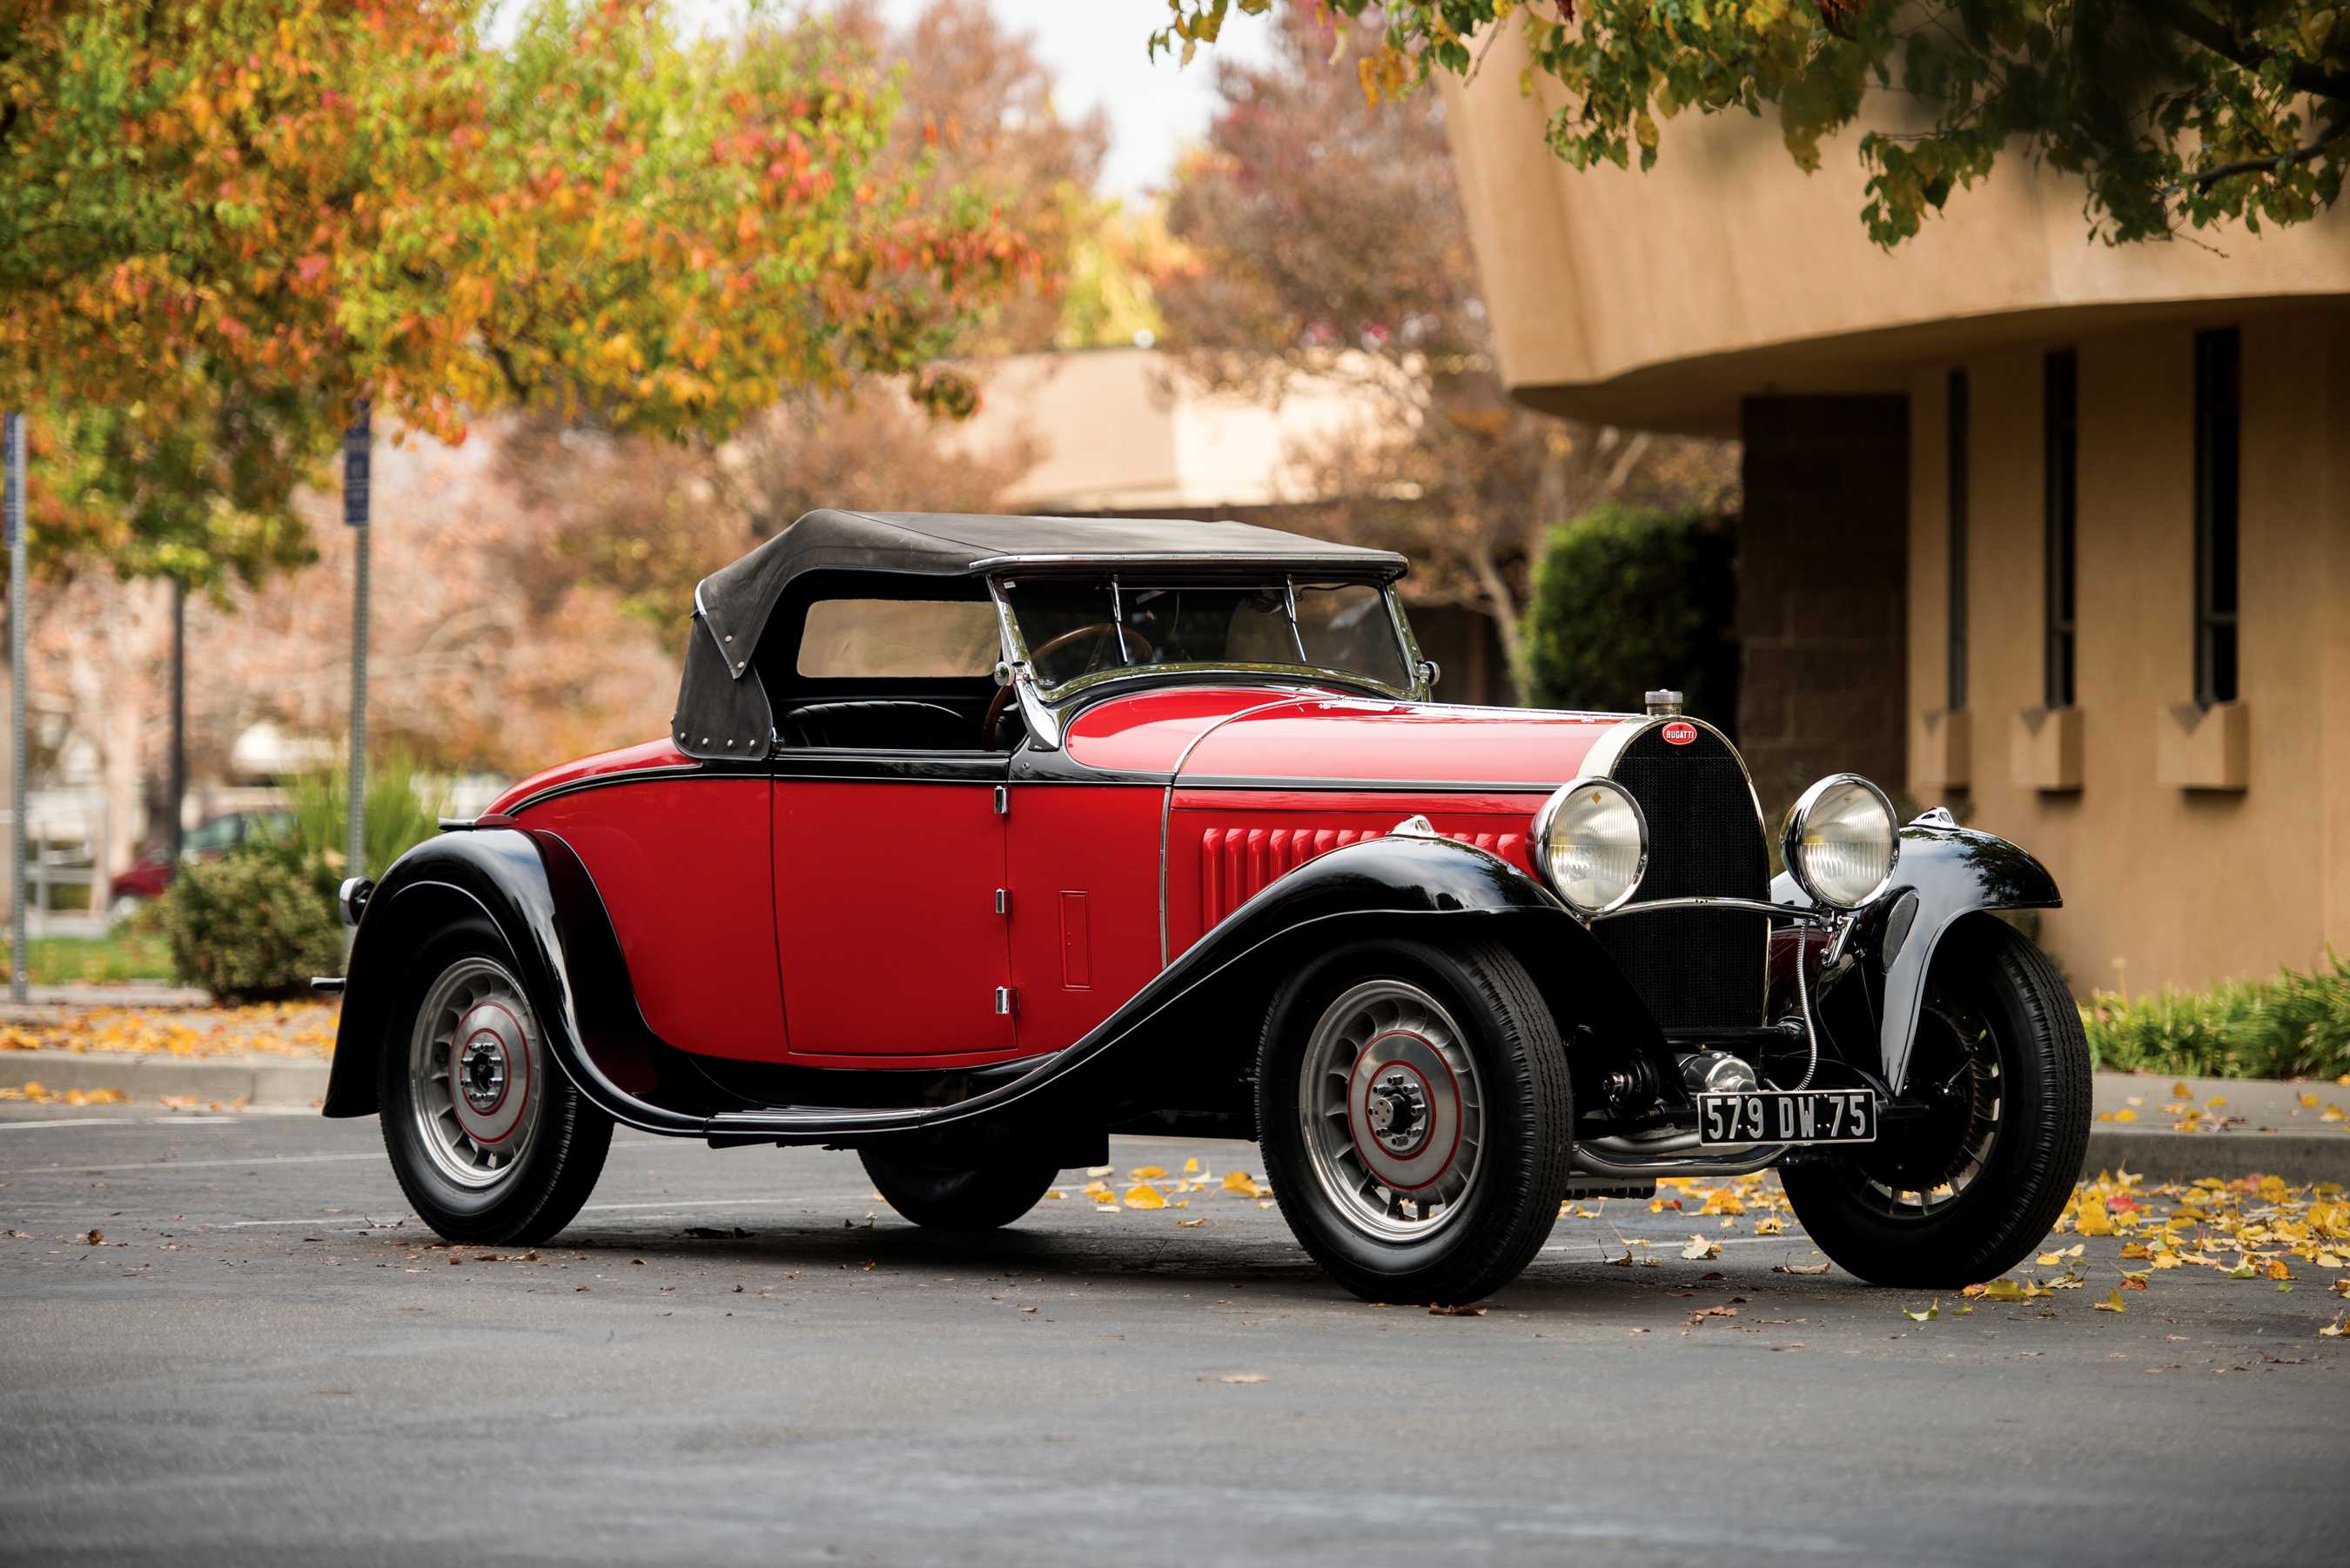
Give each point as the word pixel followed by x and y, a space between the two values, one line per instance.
pixel 1219 733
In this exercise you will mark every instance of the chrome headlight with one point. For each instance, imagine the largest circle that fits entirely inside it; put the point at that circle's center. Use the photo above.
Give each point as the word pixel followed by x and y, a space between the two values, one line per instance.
pixel 1840 841
pixel 1591 844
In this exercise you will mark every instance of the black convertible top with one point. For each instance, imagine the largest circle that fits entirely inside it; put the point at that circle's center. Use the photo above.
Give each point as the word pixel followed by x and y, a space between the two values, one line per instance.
pixel 731 605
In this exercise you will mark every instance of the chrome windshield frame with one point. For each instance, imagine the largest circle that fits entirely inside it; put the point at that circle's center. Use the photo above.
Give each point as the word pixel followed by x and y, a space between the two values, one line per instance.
pixel 1039 703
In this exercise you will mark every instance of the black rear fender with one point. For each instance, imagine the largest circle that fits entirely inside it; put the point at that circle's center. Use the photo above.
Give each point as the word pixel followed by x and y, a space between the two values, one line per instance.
pixel 534 890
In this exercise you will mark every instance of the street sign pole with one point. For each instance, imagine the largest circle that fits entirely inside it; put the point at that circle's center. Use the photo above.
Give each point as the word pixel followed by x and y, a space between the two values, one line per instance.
pixel 12 508
pixel 356 445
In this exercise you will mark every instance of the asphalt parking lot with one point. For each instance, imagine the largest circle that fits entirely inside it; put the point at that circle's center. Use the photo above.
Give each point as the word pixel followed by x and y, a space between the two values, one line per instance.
pixel 742 1355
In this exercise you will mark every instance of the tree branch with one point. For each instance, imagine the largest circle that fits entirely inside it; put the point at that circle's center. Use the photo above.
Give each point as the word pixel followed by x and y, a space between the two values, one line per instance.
pixel 2257 165
pixel 2221 39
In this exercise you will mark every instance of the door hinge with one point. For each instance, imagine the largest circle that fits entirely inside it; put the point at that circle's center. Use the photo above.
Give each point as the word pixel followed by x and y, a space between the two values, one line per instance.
pixel 1002 800
pixel 1003 900
pixel 1007 1000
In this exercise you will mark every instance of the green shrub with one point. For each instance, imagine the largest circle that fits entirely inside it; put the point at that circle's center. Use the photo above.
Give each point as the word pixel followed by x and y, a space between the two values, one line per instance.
pixel 251 926
pixel 260 922
pixel 2295 1026
pixel 1628 599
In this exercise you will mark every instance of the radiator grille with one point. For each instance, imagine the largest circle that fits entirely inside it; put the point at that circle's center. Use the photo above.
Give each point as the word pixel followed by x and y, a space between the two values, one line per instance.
pixel 1696 968
pixel 1238 863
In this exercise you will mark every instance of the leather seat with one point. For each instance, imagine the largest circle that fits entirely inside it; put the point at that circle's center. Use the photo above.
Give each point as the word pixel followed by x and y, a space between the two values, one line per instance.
pixel 880 725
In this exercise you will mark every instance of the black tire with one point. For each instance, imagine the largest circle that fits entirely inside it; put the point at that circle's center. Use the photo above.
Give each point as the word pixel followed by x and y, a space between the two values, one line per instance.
pixel 957 1197
pixel 1484 1236
pixel 534 1196
pixel 2012 1046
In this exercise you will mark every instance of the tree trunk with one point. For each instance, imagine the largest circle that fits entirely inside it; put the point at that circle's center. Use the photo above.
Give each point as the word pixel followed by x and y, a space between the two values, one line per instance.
pixel 1506 618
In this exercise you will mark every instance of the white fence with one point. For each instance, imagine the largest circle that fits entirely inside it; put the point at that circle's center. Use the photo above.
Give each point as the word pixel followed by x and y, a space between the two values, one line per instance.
pixel 64 828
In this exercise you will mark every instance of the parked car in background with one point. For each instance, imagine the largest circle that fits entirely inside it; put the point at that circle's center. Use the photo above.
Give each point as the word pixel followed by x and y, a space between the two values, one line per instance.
pixel 148 877
pixel 977 839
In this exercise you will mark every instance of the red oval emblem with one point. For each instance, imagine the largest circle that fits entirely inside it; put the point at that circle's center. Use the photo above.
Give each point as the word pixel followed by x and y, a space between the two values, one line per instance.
pixel 1680 735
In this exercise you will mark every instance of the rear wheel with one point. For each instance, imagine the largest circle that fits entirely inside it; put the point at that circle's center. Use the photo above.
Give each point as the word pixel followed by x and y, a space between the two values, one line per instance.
pixel 958 1198
pixel 1965 1193
pixel 491 1145
pixel 1413 1106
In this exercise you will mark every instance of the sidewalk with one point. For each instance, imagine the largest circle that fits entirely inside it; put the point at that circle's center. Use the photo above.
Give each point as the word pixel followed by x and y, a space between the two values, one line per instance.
pixel 2242 1127
pixel 2220 1127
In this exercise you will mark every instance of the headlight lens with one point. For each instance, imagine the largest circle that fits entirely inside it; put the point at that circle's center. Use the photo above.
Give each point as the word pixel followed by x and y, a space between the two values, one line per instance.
pixel 1591 844
pixel 1841 841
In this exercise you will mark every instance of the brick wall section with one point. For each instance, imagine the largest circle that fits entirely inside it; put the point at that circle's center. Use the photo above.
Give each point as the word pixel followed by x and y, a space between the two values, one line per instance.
pixel 1822 553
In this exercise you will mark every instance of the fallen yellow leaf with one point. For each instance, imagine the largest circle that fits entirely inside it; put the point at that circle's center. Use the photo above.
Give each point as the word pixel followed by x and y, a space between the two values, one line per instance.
pixel 1148 1172
pixel 2112 1303
pixel 2179 1091
pixel 1190 1168
pixel 1142 1195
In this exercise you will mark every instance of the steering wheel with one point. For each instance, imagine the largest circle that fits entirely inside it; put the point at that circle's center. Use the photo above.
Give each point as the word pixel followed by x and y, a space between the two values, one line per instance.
pixel 1099 629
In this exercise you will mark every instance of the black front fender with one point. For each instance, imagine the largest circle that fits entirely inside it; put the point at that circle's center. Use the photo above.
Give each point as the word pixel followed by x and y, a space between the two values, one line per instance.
pixel 1945 873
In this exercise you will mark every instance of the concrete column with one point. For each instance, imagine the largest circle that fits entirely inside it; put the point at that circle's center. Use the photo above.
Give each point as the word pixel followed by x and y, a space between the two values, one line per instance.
pixel 1823 552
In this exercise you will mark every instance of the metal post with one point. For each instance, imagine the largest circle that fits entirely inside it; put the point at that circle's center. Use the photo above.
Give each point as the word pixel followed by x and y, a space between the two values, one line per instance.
pixel 12 437
pixel 355 444
pixel 179 721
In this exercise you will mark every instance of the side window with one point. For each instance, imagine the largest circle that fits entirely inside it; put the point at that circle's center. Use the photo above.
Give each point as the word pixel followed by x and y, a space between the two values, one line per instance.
pixel 898 639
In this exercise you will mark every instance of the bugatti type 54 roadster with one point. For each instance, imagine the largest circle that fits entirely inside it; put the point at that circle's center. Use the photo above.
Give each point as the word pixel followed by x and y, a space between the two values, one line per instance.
pixel 976 839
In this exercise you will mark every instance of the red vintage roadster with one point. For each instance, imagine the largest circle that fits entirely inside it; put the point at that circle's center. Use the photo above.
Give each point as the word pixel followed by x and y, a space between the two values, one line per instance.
pixel 976 839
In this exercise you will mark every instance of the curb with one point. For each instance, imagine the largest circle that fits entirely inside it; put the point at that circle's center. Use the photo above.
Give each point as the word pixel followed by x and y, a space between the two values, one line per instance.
pixel 2301 1158
pixel 256 1080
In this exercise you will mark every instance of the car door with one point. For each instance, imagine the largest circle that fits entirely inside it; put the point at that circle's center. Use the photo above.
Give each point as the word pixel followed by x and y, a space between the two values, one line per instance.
pixel 888 835
pixel 888 926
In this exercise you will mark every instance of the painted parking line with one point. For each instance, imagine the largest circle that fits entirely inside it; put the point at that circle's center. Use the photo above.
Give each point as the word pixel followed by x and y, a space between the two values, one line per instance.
pixel 688 1207
pixel 105 1122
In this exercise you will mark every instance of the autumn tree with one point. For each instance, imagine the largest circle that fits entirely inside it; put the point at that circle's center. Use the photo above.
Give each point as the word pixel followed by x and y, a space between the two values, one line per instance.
pixel 2178 114
pixel 648 519
pixel 1324 240
pixel 228 225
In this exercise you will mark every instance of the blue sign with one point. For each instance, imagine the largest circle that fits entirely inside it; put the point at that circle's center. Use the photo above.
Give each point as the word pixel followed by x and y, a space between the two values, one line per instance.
pixel 357 444
pixel 12 439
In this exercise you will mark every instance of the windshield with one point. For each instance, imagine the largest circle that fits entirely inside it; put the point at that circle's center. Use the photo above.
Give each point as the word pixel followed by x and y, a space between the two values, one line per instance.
pixel 1079 626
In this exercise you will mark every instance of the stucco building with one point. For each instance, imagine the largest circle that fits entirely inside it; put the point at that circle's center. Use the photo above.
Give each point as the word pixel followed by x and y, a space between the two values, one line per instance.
pixel 2054 531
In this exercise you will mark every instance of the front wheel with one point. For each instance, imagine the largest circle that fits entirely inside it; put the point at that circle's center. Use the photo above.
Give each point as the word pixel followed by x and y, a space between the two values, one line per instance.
pixel 1965 1193
pixel 1413 1107
pixel 492 1145
pixel 958 1198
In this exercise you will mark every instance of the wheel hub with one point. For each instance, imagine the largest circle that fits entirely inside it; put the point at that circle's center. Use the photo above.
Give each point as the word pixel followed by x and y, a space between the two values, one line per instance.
pixel 482 1072
pixel 1397 1109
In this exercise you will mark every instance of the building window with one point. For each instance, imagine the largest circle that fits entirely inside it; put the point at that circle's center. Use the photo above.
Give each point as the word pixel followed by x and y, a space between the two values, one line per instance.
pixel 2061 459
pixel 2218 405
pixel 1955 606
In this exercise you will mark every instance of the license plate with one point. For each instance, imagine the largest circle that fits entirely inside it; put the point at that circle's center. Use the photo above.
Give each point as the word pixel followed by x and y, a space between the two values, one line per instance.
pixel 1788 1116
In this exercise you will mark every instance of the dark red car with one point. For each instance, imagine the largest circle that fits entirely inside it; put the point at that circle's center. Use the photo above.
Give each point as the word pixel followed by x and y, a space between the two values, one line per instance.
pixel 149 876
pixel 977 839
